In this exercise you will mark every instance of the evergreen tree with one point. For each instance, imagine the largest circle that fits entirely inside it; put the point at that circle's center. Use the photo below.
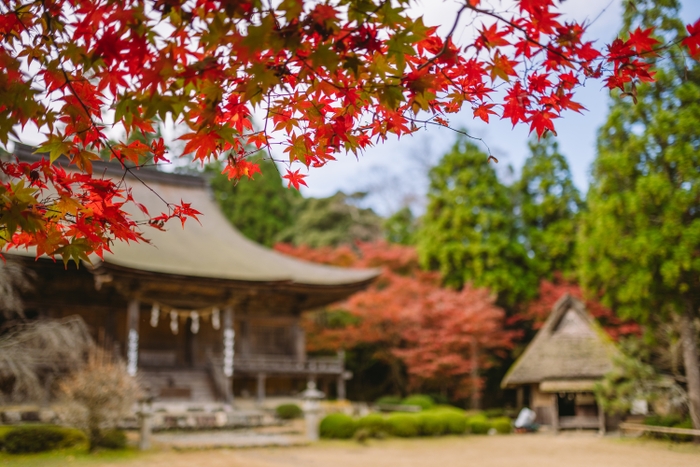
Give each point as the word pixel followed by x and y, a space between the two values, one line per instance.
pixel 640 241
pixel 400 227
pixel 333 221
pixel 469 231
pixel 548 204
pixel 260 208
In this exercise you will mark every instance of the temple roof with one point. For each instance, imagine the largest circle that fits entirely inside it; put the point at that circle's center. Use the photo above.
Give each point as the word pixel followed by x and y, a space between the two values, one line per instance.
pixel 211 249
pixel 569 346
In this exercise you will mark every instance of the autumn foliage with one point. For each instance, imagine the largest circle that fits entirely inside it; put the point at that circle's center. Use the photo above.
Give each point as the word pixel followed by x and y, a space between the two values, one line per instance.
pixel 410 319
pixel 550 291
pixel 324 78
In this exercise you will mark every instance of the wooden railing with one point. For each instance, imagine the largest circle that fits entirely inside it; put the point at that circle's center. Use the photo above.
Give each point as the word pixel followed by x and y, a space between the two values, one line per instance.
pixel 659 429
pixel 216 371
pixel 287 365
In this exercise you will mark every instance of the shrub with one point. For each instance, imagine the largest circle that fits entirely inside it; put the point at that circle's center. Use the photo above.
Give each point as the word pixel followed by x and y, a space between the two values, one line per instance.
pixel 502 425
pixel 96 397
pixel 494 413
pixel 478 424
pixel 432 424
pixel 403 425
pixel 25 439
pixel 423 401
pixel 388 400
pixel 455 422
pixel 112 439
pixel 289 411
pixel 373 423
pixel 663 420
pixel 338 426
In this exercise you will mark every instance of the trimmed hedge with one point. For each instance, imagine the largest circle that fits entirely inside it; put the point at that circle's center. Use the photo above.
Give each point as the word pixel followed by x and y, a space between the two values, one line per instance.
pixel 289 411
pixel 403 425
pixel 26 439
pixel 455 422
pixel 432 424
pixel 389 400
pixel 113 439
pixel 502 425
pixel 421 400
pixel 375 424
pixel 338 426
pixel 478 424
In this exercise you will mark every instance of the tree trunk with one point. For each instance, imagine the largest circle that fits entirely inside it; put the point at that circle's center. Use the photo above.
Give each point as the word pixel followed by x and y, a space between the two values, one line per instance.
pixel 691 362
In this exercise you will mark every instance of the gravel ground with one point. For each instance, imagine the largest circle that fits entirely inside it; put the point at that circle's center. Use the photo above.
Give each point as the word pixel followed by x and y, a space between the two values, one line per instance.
pixel 541 450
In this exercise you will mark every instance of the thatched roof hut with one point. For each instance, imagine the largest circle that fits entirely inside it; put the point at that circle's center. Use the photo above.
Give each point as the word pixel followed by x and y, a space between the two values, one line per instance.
pixel 569 354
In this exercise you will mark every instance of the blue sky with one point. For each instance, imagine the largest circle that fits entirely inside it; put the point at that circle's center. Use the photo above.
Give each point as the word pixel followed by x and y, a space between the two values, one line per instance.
pixel 395 172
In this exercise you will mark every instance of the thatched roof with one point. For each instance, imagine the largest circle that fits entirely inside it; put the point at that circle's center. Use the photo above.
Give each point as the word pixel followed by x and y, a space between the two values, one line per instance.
pixel 570 346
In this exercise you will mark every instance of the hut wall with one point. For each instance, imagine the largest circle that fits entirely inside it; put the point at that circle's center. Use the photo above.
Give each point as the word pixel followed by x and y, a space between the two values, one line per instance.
pixel 542 403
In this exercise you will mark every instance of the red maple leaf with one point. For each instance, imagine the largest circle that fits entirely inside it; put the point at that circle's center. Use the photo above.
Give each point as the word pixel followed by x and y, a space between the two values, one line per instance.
pixel 295 179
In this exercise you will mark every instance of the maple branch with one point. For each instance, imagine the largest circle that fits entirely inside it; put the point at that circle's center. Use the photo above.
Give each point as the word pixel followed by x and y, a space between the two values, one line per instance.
pixel 447 38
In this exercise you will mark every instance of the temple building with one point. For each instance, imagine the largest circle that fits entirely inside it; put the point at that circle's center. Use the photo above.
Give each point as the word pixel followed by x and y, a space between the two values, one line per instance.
pixel 200 313
pixel 557 372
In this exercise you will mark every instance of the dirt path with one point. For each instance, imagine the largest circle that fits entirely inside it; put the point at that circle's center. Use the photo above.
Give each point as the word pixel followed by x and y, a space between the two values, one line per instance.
pixel 566 450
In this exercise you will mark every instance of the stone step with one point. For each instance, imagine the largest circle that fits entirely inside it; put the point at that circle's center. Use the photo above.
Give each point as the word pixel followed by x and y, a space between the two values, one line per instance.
pixel 192 385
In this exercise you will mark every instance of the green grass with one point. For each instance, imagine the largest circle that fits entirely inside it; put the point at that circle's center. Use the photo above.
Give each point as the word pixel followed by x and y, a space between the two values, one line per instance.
pixel 72 456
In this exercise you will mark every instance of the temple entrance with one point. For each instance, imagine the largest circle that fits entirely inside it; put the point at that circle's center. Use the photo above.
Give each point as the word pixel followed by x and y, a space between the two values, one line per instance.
pixel 567 404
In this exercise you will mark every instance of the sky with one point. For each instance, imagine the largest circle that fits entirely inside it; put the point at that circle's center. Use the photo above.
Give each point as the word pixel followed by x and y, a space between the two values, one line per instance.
pixel 395 172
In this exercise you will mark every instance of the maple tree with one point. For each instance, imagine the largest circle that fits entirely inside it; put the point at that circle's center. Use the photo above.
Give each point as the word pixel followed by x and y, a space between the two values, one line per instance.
pixel 326 78
pixel 551 290
pixel 411 321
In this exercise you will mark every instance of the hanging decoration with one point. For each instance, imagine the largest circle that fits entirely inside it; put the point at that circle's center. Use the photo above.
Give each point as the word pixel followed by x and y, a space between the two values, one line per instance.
pixel 215 318
pixel 155 315
pixel 194 327
pixel 196 316
pixel 229 335
pixel 132 352
pixel 174 321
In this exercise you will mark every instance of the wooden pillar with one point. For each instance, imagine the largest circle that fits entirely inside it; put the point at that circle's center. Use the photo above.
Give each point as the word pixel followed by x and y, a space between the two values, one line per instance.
pixel 132 337
pixel 229 346
pixel 245 337
pixel 261 388
pixel 299 342
pixel 555 413
pixel 340 389
pixel 476 389
pixel 519 397
pixel 601 420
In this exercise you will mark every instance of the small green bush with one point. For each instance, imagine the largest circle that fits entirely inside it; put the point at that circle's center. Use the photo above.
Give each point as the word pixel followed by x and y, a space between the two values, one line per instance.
pixel 403 425
pixel 388 400
pixel 289 411
pixel 25 439
pixel 374 424
pixel 494 413
pixel 502 425
pixel 478 424
pixel 663 420
pixel 112 439
pixel 455 422
pixel 432 424
pixel 337 426
pixel 421 400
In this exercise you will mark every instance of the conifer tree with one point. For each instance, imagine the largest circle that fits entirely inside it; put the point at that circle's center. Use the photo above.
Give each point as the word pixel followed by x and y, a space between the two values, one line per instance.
pixel 640 241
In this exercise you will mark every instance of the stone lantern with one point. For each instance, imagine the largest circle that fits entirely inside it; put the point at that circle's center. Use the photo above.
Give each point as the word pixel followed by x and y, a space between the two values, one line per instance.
pixel 312 409
pixel 145 415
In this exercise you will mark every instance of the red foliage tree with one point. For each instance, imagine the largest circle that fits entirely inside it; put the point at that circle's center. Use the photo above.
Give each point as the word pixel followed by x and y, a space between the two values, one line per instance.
pixel 329 77
pixel 550 291
pixel 411 320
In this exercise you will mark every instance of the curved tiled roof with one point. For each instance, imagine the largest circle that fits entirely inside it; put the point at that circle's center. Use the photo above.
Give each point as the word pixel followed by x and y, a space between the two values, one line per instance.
pixel 212 248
